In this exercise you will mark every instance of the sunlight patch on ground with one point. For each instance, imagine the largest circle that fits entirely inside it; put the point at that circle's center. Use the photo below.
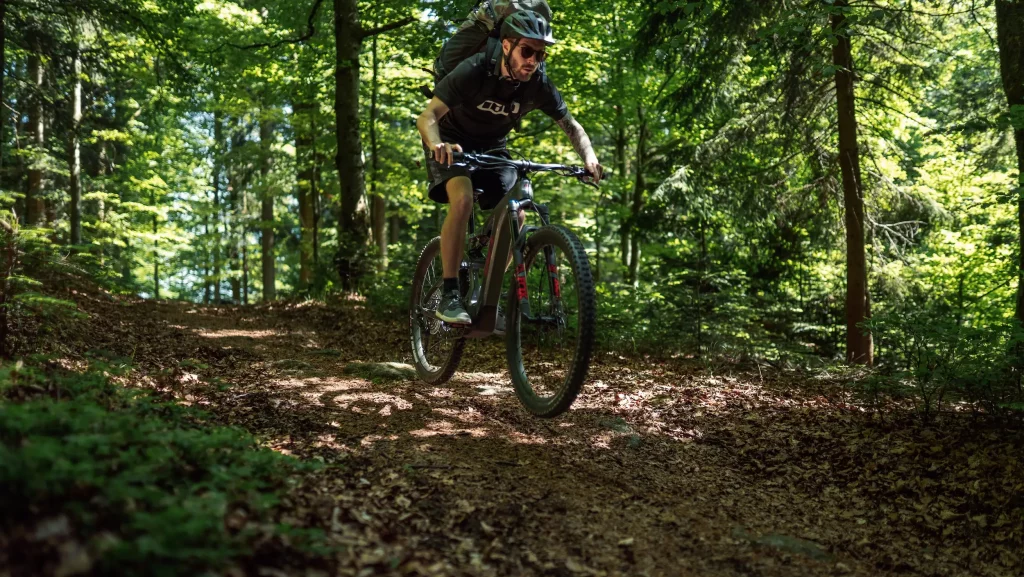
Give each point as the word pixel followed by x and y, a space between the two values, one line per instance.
pixel 468 415
pixel 369 440
pixel 601 441
pixel 289 383
pixel 446 428
pixel 331 442
pixel 345 401
pixel 78 366
pixel 524 439
pixel 232 333
pixel 481 378
pixel 491 390
pixel 318 389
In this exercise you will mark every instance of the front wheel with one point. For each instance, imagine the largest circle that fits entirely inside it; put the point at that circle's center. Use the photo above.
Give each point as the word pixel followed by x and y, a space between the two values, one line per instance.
pixel 549 351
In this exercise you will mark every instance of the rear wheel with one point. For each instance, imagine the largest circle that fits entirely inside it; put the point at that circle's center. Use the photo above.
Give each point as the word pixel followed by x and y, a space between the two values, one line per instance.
pixel 549 352
pixel 436 345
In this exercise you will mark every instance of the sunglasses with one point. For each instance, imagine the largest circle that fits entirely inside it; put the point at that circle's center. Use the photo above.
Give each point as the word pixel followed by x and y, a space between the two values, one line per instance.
pixel 529 53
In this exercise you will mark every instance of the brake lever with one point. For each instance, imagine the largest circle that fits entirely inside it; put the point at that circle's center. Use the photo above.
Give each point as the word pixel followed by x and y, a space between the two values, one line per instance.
pixel 583 174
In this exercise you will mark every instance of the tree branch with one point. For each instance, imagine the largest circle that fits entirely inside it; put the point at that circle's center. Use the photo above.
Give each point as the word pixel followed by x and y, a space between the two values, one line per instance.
pixel 386 27
pixel 907 10
pixel 310 32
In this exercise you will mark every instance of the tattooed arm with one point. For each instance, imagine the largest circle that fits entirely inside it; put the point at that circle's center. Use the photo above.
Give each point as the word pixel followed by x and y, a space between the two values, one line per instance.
pixel 581 144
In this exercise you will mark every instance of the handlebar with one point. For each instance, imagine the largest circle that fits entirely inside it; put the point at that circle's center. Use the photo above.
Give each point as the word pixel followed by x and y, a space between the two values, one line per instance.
pixel 522 166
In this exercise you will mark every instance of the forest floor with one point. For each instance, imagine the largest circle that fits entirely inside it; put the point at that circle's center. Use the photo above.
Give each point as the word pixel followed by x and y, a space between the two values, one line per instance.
pixel 662 467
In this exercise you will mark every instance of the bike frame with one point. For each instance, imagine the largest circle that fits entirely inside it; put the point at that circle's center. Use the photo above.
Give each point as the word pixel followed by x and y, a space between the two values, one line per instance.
pixel 505 238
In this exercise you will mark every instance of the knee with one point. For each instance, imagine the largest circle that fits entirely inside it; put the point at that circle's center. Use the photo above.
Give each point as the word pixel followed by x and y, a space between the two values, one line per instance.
pixel 460 205
pixel 460 198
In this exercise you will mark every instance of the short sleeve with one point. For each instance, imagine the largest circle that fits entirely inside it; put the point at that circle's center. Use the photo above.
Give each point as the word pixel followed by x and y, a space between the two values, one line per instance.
pixel 550 101
pixel 460 84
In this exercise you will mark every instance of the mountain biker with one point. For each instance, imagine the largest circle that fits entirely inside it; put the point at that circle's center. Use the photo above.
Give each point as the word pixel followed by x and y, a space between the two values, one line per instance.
pixel 473 109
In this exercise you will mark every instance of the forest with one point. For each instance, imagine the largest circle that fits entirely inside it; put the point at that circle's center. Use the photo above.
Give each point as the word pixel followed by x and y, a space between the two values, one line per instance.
pixel 807 261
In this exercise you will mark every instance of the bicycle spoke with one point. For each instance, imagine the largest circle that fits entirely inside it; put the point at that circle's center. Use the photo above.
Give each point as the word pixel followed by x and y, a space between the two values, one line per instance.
pixel 436 349
pixel 548 347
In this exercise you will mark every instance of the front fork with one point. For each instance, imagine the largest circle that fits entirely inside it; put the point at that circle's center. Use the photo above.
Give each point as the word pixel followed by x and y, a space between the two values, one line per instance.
pixel 519 244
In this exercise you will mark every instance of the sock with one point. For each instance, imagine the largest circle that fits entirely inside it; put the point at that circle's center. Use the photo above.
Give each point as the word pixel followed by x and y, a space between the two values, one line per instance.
pixel 451 284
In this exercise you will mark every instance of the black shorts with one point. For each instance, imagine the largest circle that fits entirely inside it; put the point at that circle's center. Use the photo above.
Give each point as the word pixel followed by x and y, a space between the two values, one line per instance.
pixel 495 182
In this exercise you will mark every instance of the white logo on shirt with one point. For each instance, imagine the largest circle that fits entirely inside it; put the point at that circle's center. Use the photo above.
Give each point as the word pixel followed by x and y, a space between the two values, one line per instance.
pixel 497 107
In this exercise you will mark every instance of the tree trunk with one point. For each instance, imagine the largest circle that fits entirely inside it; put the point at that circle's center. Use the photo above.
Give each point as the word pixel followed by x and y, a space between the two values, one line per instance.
pixel 236 225
pixel 102 164
pixel 35 206
pixel 156 249
pixel 245 273
pixel 243 231
pixel 218 166
pixel 1010 34
pixel 701 275
pixel 352 217
pixel 267 213
pixel 625 246
pixel 75 146
pixel 858 340
pixel 379 205
pixel 302 125
pixel 597 241
pixel 624 225
pixel 318 208
pixel 206 262
pixel 3 74
pixel 639 193
pixel 394 228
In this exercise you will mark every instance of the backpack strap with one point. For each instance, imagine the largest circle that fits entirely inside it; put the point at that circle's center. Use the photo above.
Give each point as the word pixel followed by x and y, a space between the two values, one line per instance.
pixel 492 56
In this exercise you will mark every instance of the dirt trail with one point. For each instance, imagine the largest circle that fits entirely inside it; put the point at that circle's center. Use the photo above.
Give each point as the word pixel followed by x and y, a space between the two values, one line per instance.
pixel 659 469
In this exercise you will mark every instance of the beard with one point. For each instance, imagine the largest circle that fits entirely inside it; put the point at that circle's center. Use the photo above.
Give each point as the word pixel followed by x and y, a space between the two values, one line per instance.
pixel 520 74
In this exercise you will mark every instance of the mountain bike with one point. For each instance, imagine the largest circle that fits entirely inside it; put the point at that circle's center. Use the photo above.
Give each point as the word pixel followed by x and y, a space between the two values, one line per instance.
pixel 549 307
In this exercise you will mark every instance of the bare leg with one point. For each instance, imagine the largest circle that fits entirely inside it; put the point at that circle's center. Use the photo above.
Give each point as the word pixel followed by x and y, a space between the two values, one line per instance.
pixel 453 232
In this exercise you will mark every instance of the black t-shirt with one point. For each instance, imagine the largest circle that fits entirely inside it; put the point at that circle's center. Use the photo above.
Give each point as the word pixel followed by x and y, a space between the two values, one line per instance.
pixel 483 107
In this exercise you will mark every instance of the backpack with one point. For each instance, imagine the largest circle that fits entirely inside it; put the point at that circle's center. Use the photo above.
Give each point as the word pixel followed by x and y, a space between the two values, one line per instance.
pixel 482 23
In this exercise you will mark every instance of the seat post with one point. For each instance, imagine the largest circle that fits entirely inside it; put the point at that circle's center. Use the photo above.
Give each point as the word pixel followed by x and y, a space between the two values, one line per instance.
pixel 472 211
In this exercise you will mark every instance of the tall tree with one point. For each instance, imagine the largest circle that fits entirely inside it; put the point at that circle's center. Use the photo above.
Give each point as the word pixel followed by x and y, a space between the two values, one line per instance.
pixel 353 229
pixel 639 192
pixel 302 118
pixel 267 254
pixel 35 206
pixel 858 339
pixel 3 74
pixel 218 200
pixel 1010 34
pixel 75 139
pixel 378 205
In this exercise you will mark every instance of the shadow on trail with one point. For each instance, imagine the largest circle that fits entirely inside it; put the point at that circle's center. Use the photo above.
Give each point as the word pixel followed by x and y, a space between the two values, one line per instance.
pixel 658 469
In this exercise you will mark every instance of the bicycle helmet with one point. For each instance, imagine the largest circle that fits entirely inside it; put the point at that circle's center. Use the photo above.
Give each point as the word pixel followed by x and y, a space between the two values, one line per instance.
pixel 527 24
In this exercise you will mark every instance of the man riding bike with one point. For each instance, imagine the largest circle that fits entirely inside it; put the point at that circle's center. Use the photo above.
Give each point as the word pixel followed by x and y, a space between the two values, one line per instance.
pixel 473 109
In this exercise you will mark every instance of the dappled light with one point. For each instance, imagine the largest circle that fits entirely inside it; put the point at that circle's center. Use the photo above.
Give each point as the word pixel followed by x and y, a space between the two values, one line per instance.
pixel 311 288
pixel 655 448
pixel 447 428
pixel 235 333
pixel 346 400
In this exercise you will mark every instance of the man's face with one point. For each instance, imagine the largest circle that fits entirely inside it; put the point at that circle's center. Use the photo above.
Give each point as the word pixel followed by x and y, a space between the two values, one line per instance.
pixel 520 67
